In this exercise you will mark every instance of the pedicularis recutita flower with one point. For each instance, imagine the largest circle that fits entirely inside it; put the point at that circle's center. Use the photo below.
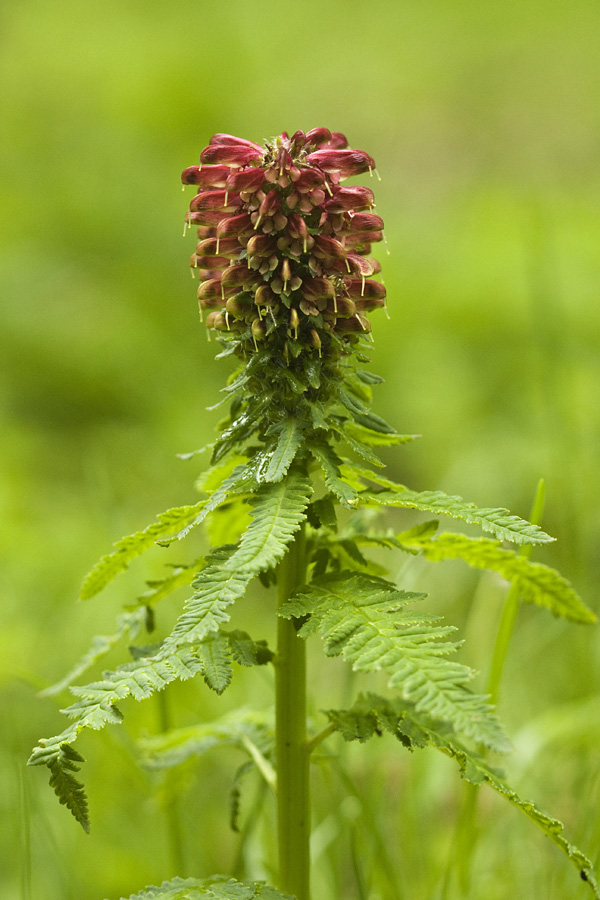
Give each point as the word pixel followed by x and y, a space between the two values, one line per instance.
pixel 283 261
pixel 283 251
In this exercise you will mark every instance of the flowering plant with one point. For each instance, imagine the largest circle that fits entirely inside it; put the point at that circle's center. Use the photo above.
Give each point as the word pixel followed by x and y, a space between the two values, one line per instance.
pixel 292 495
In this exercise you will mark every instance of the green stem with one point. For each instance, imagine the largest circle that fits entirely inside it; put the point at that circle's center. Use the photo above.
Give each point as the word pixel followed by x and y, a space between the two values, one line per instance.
pixel 293 795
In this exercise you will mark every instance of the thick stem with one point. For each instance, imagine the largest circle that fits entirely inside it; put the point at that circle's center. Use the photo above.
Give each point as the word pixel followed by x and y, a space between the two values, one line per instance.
pixel 293 795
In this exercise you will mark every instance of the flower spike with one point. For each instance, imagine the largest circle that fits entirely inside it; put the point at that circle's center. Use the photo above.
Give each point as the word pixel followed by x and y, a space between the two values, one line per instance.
pixel 282 246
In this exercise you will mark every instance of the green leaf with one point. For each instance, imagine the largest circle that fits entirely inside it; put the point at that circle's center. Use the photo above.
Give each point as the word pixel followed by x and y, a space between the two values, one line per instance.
pixel 360 448
pixel 371 715
pixel 217 887
pixel 128 625
pixel 376 438
pixel 369 377
pixel 69 791
pixel 498 521
pixel 277 514
pixel 247 652
pixel 96 708
pixel 159 588
pixel 215 654
pixel 241 480
pixel 363 619
pixel 215 589
pixel 127 548
pixel 330 465
pixel 535 582
pixel 289 440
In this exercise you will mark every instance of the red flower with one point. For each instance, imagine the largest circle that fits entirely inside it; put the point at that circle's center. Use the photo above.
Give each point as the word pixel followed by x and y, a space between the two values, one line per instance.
pixel 282 251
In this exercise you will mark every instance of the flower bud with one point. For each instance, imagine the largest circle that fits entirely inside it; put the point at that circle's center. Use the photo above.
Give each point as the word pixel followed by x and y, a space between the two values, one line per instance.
pixel 369 303
pixel 338 140
pixel 235 276
pixel 317 136
pixel 246 180
pixel 317 289
pixel 364 288
pixel 344 307
pixel 258 329
pixel 365 222
pixel 308 180
pixel 264 296
pixel 362 241
pixel 239 305
pixel 232 155
pixel 209 262
pixel 231 140
pixel 227 247
pixel 345 198
pixel 211 302
pixel 233 226
pixel 206 217
pixel 314 339
pixel 294 320
pixel 210 289
pixel 261 245
pixel 345 162
pixel 221 200
pixel 206 176
pixel 328 248
pixel 356 324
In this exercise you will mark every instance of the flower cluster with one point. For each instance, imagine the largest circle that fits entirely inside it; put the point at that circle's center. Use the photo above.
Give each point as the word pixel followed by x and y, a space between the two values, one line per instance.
pixel 283 246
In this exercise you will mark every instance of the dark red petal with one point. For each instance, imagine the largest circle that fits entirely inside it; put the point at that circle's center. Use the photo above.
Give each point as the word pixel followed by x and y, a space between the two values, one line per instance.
pixel 237 155
pixel 230 140
pixel 206 176
pixel 248 180
pixel 365 222
pixel 317 136
pixel 346 162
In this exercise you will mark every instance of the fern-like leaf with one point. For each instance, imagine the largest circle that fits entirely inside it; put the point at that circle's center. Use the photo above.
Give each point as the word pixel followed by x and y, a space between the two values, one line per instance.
pixel 96 708
pixel 536 582
pixel 128 625
pixel 217 887
pixel 330 465
pixel 372 715
pixel 362 619
pixel 127 548
pixel 377 438
pixel 215 589
pixel 159 588
pixel 215 654
pixel 242 480
pixel 277 514
pixel 499 522
pixel 69 791
pixel 284 452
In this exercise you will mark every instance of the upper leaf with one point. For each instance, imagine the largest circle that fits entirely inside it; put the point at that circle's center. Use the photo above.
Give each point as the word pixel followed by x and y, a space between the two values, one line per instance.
pixel 498 521
pixel 277 514
pixel 127 548
pixel 282 456
pixel 536 582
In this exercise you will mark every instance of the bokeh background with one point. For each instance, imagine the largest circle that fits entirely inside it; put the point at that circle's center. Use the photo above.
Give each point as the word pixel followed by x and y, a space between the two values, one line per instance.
pixel 484 121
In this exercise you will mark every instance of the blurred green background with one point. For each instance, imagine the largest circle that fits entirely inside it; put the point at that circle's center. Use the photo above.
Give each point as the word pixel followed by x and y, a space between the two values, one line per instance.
pixel 484 122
